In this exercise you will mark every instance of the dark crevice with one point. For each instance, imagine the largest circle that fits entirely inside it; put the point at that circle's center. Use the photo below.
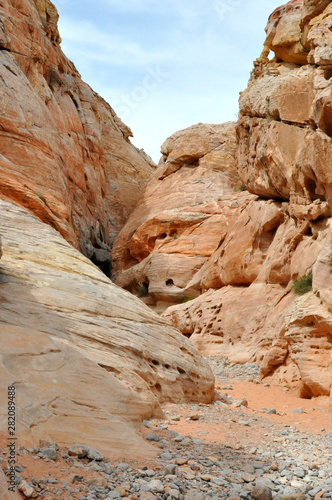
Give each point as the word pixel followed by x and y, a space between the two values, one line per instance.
pixel 311 187
pixel 105 267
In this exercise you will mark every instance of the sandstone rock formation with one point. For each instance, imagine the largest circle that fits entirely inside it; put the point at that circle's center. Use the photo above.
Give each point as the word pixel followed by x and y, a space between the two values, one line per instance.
pixel 176 226
pixel 65 155
pixel 5 494
pixel 89 360
pixel 259 242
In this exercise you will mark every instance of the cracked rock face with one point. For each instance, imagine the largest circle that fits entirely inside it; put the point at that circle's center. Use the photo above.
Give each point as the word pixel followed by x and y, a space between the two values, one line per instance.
pixel 65 155
pixel 89 361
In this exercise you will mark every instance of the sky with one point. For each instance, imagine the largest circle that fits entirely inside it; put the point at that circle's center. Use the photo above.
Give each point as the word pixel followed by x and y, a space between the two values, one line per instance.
pixel 164 65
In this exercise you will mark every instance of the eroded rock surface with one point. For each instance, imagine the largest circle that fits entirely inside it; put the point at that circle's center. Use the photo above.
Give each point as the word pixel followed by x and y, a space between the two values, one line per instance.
pixel 65 155
pixel 246 255
pixel 177 223
pixel 89 361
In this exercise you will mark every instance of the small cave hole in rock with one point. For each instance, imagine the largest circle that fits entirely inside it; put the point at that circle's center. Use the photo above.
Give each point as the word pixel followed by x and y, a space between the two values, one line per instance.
pixel 308 231
pixel 328 74
pixel 158 387
pixel 167 366
pixel 181 371
pixel 311 187
pixel 169 282
pixel 163 236
pixel 143 289
pixel 155 362
pixel 305 392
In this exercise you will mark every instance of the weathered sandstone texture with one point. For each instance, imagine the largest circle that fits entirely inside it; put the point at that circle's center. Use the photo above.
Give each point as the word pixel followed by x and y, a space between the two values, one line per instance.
pixel 239 260
pixel 5 494
pixel 88 359
pixel 176 226
pixel 65 155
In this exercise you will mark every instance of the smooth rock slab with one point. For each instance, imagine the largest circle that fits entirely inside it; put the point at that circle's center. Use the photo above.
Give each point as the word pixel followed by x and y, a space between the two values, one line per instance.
pixel 90 360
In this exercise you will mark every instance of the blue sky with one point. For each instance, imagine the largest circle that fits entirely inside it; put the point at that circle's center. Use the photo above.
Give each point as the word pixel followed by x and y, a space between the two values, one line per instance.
pixel 168 64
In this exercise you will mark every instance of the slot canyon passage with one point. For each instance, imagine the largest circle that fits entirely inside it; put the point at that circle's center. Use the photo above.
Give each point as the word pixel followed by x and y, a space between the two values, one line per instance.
pixel 166 330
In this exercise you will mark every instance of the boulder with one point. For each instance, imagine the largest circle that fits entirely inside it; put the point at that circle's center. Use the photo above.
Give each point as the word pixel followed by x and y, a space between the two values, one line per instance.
pixel 89 360
pixel 284 33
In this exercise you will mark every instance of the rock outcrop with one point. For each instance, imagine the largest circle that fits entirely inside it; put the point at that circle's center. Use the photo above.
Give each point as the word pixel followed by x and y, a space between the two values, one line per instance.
pixel 176 226
pixel 89 360
pixel 65 155
pixel 246 256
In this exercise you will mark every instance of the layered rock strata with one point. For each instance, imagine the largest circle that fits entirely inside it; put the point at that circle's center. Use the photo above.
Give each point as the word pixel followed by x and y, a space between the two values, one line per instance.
pixel 269 237
pixel 65 155
pixel 88 360
pixel 176 226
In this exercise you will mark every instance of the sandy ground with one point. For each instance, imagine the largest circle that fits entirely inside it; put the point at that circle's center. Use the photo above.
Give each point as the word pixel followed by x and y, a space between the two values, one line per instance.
pixel 316 416
pixel 215 424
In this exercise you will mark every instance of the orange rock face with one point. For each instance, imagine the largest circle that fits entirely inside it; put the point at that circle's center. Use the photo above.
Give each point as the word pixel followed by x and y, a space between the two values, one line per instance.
pixel 180 219
pixel 239 259
pixel 65 155
pixel 90 360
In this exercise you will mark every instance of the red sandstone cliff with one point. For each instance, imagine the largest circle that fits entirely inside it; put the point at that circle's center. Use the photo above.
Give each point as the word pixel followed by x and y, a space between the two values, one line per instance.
pixel 65 155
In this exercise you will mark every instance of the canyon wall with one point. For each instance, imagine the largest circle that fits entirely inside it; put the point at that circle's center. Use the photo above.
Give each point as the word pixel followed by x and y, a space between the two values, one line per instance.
pixel 89 361
pixel 65 155
pixel 231 271
pixel 176 226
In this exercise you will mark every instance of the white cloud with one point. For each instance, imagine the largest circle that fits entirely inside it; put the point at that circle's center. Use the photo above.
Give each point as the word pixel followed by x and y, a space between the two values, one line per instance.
pixel 90 42
pixel 205 58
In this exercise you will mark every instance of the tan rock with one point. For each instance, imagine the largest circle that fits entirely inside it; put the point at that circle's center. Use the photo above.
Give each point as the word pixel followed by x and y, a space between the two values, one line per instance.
pixel 284 168
pixel 65 155
pixel 284 33
pixel 5 493
pixel 100 482
pixel 27 490
pixel 293 251
pixel 312 8
pixel 322 278
pixel 286 96
pixel 308 329
pixel 218 322
pixel 317 37
pixel 277 157
pixel 193 143
pixel 93 359
pixel 182 216
pixel 238 260
pixel 236 256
